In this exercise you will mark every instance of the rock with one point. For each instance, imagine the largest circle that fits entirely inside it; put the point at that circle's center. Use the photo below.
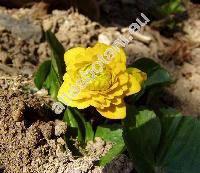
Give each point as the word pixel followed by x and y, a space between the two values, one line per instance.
pixel 24 28
pixel 42 92
pixel 98 147
pixel 104 39
pixel 2 168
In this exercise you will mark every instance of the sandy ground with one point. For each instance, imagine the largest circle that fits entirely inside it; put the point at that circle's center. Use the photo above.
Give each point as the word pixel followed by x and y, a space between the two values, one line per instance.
pixel 30 140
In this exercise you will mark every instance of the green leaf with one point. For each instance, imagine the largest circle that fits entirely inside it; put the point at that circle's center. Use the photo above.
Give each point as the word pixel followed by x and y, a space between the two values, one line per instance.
pixel 169 112
pixel 87 127
pixel 172 7
pixel 42 73
pixel 52 83
pixel 168 144
pixel 141 134
pixel 89 134
pixel 156 75
pixel 179 149
pixel 169 13
pixel 75 123
pixel 158 78
pixel 50 73
pixel 168 7
pixel 146 65
pixel 80 128
pixel 111 133
pixel 57 54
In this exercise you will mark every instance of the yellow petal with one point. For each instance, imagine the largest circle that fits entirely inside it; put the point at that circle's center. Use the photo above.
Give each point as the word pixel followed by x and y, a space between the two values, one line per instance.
pixel 136 78
pixel 99 48
pixel 76 58
pixel 72 55
pixel 106 93
pixel 117 100
pixel 123 78
pixel 80 104
pixel 118 64
pixel 114 111
pixel 138 74
pixel 133 86
pixel 68 94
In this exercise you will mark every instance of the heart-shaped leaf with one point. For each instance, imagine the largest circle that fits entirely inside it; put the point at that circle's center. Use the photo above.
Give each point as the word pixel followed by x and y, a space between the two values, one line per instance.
pixel 167 144
pixel 179 149
pixel 141 134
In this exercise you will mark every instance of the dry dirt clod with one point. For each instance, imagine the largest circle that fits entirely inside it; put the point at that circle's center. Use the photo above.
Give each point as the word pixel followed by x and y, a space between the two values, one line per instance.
pixel 60 127
pixel 18 111
pixel 98 147
pixel 3 57
pixel 61 141
pixel 47 129
pixel 33 135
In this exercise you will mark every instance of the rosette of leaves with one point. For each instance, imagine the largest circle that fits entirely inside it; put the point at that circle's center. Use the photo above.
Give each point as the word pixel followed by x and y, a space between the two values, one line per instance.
pixel 158 140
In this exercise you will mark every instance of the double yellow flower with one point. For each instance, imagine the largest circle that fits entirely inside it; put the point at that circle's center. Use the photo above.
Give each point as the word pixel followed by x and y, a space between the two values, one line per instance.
pixel 99 81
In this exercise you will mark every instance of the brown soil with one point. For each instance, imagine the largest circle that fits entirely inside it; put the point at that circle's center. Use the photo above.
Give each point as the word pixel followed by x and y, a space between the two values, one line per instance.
pixel 30 136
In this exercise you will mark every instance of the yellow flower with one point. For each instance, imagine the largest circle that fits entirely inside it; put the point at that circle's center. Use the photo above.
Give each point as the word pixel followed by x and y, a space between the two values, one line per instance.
pixel 97 76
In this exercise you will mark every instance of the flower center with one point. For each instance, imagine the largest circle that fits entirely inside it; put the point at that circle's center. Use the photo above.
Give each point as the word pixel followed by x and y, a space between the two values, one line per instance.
pixel 99 81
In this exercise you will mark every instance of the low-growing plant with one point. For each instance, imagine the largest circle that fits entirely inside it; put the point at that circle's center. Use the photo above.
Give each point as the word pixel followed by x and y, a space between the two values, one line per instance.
pixel 169 13
pixel 157 138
